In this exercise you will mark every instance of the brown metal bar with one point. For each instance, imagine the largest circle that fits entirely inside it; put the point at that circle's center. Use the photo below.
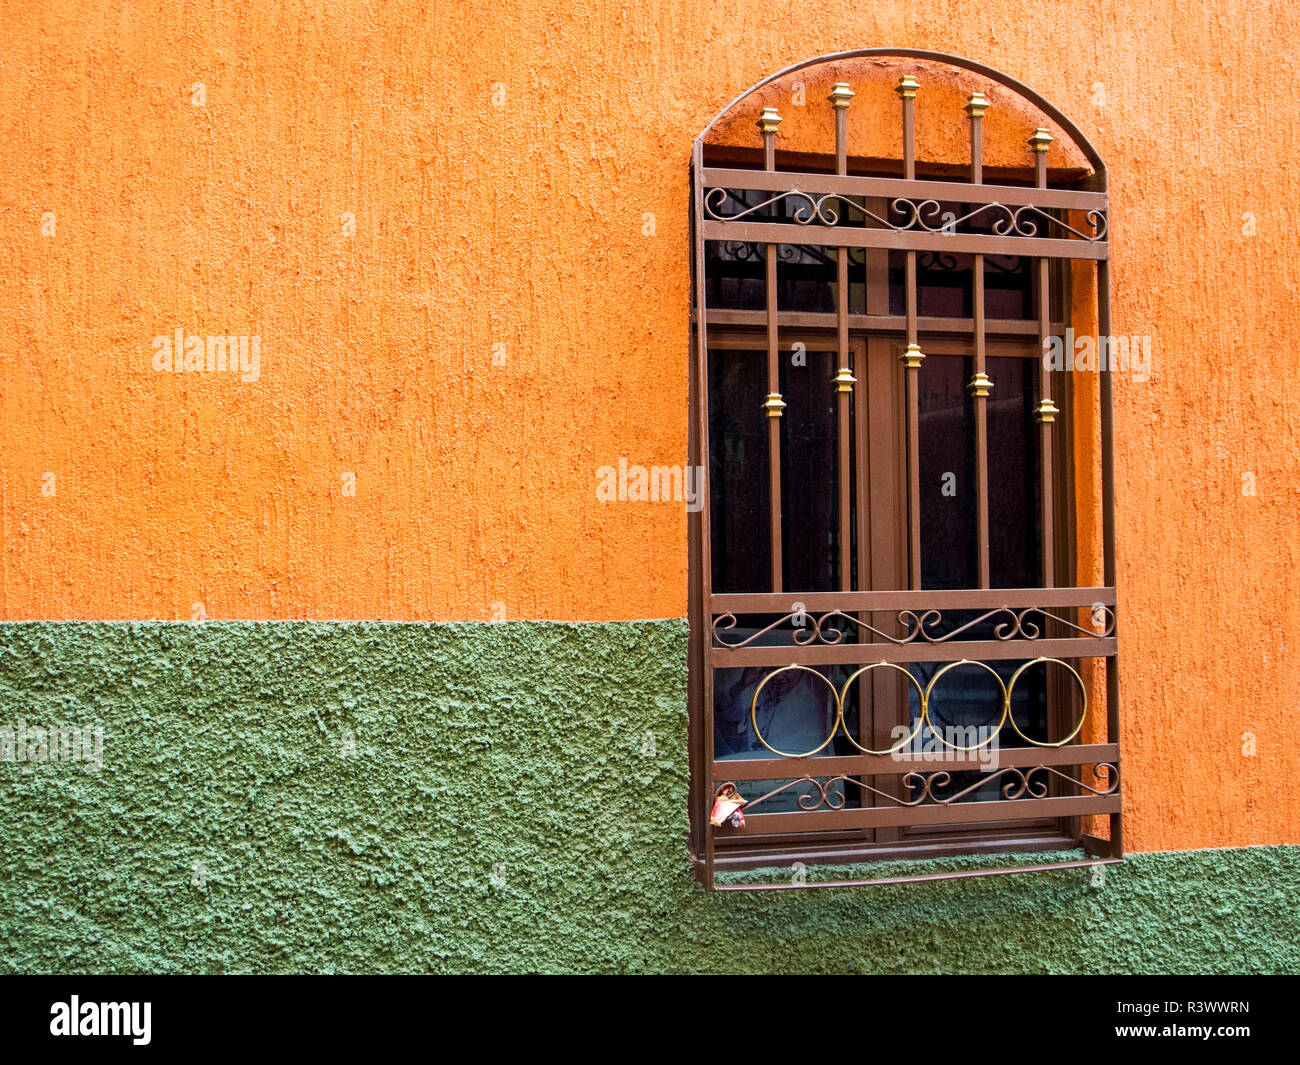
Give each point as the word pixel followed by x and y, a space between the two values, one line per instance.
pixel 861 654
pixel 702 722
pixel 774 405
pixel 877 323
pixel 980 384
pixel 889 765
pixel 938 814
pixel 840 96
pixel 836 848
pixel 906 239
pixel 884 881
pixel 1108 528
pixel 882 702
pixel 950 599
pixel 1039 143
pixel 862 470
pixel 696 648
pixel 1107 430
pixel 893 188
pixel 911 367
pixel 906 89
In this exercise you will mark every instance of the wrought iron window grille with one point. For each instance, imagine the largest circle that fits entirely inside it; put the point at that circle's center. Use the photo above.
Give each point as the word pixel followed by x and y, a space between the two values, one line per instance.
pixel 871 664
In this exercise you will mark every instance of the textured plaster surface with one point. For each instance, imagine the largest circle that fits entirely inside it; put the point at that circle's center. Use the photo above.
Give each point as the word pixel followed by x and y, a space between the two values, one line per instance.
pixel 381 797
pixel 511 313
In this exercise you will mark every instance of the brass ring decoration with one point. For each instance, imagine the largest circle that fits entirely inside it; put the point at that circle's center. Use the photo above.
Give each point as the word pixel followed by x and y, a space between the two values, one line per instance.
pixel 919 721
pixel 753 712
pixel 1006 704
pixel 923 719
pixel 1083 709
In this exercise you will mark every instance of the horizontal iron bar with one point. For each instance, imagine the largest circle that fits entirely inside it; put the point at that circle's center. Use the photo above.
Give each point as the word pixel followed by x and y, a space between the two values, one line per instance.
pixel 865 653
pixel 896 188
pixel 888 765
pixel 908 599
pixel 849 848
pixel 937 814
pixel 907 240
pixel 920 878
pixel 880 323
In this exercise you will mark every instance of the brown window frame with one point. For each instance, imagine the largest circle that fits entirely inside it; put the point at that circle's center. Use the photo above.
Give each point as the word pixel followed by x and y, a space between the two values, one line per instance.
pixel 885 826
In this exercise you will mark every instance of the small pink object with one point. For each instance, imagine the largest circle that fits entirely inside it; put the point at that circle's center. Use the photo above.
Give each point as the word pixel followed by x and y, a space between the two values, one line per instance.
pixel 727 805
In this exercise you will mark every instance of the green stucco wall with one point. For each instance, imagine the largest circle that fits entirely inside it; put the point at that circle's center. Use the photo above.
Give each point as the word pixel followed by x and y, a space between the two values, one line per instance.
pixel 482 797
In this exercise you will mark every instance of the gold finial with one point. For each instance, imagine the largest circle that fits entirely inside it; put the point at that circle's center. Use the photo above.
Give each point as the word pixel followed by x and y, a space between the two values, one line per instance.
pixel 840 95
pixel 844 380
pixel 977 105
pixel 912 357
pixel 981 385
pixel 907 86
pixel 1047 412
pixel 1040 140
pixel 768 120
pixel 774 405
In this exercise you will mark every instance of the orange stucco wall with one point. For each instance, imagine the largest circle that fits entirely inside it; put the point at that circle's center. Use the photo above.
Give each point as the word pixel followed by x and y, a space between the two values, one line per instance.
pixel 504 319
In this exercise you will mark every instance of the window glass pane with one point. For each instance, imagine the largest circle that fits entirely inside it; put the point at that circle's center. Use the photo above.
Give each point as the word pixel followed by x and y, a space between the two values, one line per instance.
pixel 1008 287
pixel 739 488
pixel 943 284
pixel 1013 474
pixel 795 710
pixel 809 481
pixel 946 437
pixel 795 713
pixel 805 278
pixel 735 275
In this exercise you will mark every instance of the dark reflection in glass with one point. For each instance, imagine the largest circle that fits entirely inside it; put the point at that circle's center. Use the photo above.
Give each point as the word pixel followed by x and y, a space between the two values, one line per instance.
pixel 964 709
pixel 946 435
pixel 735 278
pixel 739 486
pixel 944 288
pixel 809 480
pixel 1014 519
pixel 1008 287
pixel 795 712
pixel 943 284
pixel 806 277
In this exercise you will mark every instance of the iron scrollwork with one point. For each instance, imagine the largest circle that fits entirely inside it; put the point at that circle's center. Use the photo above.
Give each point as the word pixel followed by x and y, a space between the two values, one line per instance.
pixel 927 216
pixel 925 626
pixel 1028 782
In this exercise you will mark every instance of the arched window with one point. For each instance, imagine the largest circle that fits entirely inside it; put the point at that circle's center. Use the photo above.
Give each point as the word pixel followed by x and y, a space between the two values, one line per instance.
pixel 902 633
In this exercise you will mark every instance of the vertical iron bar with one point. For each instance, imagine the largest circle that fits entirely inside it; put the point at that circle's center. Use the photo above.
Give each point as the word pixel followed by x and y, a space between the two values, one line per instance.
pixel 1047 411
pixel 703 729
pixel 980 385
pixel 839 97
pixel 773 405
pixel 1106 399
pixel 911 358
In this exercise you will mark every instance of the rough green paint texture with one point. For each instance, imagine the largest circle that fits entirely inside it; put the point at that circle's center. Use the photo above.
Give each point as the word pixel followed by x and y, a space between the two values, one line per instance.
pixel 557 750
